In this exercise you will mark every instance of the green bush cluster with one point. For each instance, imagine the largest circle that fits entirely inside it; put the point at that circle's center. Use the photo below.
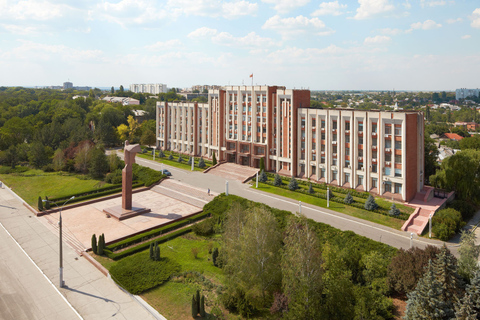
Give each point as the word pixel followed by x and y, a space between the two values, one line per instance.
pixel 64 198
pixel 465 208
pixel 205 228
pixel 154 233
pixel 446 223
pixel 140 273
pixel 17 169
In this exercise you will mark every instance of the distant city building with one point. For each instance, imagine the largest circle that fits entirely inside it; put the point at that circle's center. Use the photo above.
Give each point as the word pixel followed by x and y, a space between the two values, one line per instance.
pixel 191 95
pixel 149 88
pixel 202 88
pixel 362 150
pixel 465 93
pixel 67 85
pixel 123 100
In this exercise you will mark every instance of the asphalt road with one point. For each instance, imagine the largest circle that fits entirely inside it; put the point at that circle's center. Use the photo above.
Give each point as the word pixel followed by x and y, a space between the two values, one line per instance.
pixel 395 238
pixel 24 292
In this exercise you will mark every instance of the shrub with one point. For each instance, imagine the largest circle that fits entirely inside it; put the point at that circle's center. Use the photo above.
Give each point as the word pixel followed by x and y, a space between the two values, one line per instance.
pixel 101 245
pixel 195 252
pixel 139 273
pixel 394 211
pixel 48 168
pixel 205 228
pixel 215 257
pixel 194 307
pixel 201 163
pixel 161 154
pixel 180 159
pixel 94 243
pixel 310 188
pixel 466 209
pixel 370 204
pixel 47 203
pixel 293 184
pixel 348 199
pixel 262 177
pixel 277 181
pixel 189 160
pixel 114 177
pixel 170 157
pixel 446 223
pixel 214 159
pixel 202 306
pixel 262 164
pixel 40 204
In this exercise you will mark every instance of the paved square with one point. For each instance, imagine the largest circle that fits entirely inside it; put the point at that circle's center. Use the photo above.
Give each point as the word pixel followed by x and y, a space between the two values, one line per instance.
pixel 82 222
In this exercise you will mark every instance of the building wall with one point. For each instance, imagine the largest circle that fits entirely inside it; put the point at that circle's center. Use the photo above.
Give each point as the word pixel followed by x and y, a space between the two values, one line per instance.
pixel 149 88
pixel 363 150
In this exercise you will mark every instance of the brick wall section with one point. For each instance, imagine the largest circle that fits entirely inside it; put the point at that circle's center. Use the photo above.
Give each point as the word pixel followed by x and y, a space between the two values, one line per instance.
pixel 222 128
pixel 411 156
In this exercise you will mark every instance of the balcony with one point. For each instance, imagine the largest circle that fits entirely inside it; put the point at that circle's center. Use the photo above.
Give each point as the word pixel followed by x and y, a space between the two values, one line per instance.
pixel 374 134
pixel 360 159
pixel 374 161
pixel 388 136
pixel 323 129
pixel 334 142
pixel 347 131
pixel 334 131
pixel 334 155
pixel 360 133
pixel 388 150
pixel 374 148
pixel 388 163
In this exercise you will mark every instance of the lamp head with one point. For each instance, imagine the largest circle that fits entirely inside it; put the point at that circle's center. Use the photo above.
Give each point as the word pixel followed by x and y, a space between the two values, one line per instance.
pixel 44 200
pixel 72 197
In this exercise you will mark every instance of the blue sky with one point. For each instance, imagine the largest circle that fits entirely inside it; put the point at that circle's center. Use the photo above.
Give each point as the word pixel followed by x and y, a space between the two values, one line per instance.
pixel 332 45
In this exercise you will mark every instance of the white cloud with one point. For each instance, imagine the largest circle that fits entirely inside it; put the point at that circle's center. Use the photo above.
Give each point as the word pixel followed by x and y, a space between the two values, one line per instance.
pixel 475 18
pixel 407 5
pixel 371 8
pixel 251 41
pixel 330 8
pixel 432 3
pixel 286 6
pixel 31 10
pixel 451 21
pixel 377 40
pixel 289 27
pixel 130 12
pixel 467 36
pixel 391 32
pixel 427 25
pixel 20 29
pixel 202 33
pixel 162 45
pixel 213 8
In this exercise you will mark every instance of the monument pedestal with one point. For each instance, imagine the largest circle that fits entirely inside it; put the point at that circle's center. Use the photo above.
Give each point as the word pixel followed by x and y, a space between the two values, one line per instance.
pixel 120 214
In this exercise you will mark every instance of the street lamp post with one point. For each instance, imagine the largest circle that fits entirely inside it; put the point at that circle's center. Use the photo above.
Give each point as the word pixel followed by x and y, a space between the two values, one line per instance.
pixel 61 242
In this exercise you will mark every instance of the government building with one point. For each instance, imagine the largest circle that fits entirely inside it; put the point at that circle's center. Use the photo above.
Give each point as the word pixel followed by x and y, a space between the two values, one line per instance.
pixel 376 151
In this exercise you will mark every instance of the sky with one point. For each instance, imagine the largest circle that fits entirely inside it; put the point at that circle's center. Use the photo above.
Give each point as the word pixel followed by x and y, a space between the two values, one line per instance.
pixel 333 45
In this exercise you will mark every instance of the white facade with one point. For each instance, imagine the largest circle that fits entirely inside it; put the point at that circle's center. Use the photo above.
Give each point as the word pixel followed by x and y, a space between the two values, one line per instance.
pixel 149 88
pixel 464 93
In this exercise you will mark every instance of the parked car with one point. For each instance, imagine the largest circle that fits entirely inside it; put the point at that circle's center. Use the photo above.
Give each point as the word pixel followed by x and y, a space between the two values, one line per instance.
pixel 166 172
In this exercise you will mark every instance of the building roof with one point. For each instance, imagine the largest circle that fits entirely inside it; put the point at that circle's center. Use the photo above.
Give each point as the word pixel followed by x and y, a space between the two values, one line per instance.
pixel 453 136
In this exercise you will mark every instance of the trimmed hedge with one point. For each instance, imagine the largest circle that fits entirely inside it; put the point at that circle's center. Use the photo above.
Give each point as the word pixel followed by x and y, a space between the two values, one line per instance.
pixel 92 195
pixel 140 273
pixel 154 233
pixel 86 192
pixel 146 245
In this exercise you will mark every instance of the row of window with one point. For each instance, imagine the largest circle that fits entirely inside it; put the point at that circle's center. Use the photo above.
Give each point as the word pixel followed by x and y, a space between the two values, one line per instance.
pixel 388 127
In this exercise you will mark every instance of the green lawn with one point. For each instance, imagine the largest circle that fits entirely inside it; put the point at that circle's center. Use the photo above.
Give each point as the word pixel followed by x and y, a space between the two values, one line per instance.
pixel 352 211
pixel 31 184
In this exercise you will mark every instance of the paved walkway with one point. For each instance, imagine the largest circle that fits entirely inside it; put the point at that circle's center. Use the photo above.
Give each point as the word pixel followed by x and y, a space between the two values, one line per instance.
pixel 91 294
pixel 232 171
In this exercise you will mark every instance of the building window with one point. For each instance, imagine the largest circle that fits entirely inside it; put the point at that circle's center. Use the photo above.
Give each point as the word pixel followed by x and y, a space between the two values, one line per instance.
pixel 347 177
pixel 360 180
pixel 398 145
pixel 388 129
pixel 314 145
pixel 360 166
pixel 388 156
pixel 323 136
pixel 334 175
pixel 374 142
pixel 303 122
pixel 374 127
pixel 347 151
pixel 334 149
pixel 322 123
pixel 322 148
pixel 322 173
pixel 398 172
pixel 387 171
pixel 398 159
pixel 347 138
pixel 374 183
pixel 334 126
pixel 360 126
pixel 360 140
pixel 347 163
pixel 388 143
pixel 334 161
pixel 388 186
pixel 314 157
pixel 347 125
pixel 398 188
pixel 360 152
pixel 313 122
pixel 314 170
pixel 398 130
pixel 334 137
pixel 322 160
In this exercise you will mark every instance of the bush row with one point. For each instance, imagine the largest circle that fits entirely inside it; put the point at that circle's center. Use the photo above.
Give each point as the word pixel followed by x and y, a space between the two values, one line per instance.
pixel 8 169
pixel 324 186
pixel 154 233
pixel 146 245
pixel 97 190
pixel 356 204
pixel 90 196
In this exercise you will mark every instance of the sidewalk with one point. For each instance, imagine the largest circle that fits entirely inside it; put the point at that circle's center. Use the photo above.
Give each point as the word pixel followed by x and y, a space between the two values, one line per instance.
pixel 91 294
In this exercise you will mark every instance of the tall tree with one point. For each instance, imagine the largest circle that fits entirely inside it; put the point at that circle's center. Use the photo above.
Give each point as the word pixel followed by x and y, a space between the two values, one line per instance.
pixel 469 252
pixel 83 156
pixel 468 308
pixel 302 270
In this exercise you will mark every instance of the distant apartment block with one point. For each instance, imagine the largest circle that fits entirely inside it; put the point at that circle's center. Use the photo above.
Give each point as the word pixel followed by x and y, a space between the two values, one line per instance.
pixel 202 88
pixel 126 101
pixel 362 150
pixel 149 88
pixel 465 93
pixel 67 85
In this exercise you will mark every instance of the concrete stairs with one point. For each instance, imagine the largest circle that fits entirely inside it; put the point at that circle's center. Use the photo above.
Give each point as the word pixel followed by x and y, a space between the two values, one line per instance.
pixel 417 221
